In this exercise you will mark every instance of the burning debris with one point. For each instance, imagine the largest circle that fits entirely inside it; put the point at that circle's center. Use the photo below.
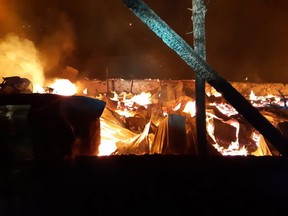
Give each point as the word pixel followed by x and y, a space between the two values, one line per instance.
pixel 158 118
pixel 228 132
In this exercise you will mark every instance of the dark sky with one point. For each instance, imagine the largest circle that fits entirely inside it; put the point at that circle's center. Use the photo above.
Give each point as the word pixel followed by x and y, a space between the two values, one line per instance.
pixel 245 38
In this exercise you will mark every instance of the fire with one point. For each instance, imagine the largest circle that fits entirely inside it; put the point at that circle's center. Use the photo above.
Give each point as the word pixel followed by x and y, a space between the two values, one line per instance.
pixel 252 96
pixel 127 105
pixel 233 148
pixel 59 86
pixel 63 87
pixel 19 56
pixel 260 101
pixel 190 108
pixel 143 99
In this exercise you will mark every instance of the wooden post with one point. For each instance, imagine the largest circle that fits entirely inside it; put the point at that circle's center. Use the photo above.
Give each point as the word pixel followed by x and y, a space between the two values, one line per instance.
pixel 198 20
pixel 107 81
pixel 199 65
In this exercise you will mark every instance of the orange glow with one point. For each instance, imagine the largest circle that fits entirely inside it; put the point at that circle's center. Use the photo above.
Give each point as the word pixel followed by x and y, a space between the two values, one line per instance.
pixel 260 101
pixel 19 57
pixel 142 99
pixel 113 134
pixel 63 87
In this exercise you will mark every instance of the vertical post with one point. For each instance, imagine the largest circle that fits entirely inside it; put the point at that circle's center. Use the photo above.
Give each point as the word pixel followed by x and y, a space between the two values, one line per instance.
pixel 198 20
pixel 107 81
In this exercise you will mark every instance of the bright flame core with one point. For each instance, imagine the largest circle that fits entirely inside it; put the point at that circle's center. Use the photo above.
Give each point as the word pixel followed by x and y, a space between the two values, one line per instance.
pixel 63 87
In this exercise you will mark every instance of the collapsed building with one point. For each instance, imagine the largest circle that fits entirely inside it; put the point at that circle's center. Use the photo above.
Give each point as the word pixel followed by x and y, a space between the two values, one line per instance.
pixel 138 117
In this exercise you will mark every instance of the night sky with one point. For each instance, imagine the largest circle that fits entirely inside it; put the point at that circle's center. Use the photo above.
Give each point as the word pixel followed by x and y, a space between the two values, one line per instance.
pixel 245 38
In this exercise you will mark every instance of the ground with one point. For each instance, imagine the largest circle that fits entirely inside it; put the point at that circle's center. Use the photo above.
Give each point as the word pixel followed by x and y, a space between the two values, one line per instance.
pixel 146 185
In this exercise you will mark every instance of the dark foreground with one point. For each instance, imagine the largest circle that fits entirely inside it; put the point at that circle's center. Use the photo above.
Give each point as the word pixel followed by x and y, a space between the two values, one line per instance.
pixel 146 185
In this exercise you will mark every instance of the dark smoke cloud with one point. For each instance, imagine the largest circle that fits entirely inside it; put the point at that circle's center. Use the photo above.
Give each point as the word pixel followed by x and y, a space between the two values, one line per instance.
pixel 57 46
pixel 245 38
pixel 47 25
pixel 248 39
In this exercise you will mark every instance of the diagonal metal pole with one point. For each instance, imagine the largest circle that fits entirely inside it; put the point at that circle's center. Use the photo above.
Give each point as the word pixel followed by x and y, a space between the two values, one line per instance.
pixel 199 65
pixel 198 20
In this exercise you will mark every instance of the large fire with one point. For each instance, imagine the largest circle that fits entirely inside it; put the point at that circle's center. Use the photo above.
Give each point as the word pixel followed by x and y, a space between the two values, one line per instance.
pixel 130 121
pixel 126 106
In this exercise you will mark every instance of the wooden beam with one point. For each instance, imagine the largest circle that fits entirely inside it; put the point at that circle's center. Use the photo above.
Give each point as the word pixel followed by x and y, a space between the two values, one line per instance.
pixel 199 65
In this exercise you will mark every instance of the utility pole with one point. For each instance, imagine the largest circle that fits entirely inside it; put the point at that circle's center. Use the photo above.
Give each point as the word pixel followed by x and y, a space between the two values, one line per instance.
pixel 198 20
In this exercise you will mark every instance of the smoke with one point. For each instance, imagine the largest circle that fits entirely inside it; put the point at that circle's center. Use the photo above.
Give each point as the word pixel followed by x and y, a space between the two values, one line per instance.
pixel 9 19
pixel 57 46
pixel 36 38
pixel 248 39
pixel 244 38
pixel 19 57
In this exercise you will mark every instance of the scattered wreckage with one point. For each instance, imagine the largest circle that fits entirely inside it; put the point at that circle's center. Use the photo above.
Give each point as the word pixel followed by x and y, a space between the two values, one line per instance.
pixel 15 84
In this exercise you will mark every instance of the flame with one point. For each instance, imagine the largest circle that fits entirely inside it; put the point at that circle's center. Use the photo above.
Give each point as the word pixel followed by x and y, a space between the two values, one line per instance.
pixel 58 86
pixel 261 101
pixel 190 108
pixel 63 87
pixel 128 104
pixel 112 134
pixel 213 92
pixel 142 99
pixel 225 108
pixel 252 96
pixel 233 149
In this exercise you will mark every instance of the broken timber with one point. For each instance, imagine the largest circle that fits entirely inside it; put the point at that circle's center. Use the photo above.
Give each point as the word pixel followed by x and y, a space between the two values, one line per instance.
pixel 201 68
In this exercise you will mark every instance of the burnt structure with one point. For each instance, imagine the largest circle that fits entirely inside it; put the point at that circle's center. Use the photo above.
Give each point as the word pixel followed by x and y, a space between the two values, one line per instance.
pixel 201 68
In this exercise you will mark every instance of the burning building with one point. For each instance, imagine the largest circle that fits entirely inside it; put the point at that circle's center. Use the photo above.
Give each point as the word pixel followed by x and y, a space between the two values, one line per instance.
pixel 158 116
pixel 145 117
pixel 145 127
